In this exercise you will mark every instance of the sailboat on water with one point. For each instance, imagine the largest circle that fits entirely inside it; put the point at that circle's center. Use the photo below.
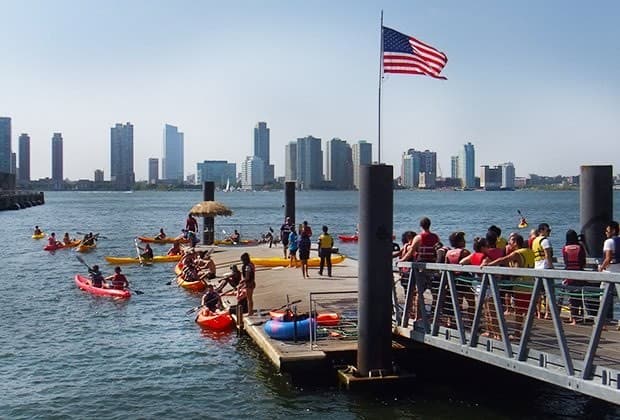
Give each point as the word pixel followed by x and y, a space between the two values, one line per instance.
pixel 227 189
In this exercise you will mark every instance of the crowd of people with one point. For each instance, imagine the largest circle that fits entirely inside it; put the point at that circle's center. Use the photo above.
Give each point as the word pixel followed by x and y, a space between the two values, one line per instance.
pixel 491 249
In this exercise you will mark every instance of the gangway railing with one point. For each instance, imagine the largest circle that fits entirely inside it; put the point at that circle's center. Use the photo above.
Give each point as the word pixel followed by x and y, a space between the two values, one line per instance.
pixel 519 319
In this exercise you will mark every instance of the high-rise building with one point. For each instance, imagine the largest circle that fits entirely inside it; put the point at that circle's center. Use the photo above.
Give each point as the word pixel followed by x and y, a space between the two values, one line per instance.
pixel 57 160
pixel 121 156
pixel 5 144
pixel 172 162
pixel 98 175
pixel 290 161
pixel 13 163
pixel 467 166
pixel 153 170
pixel 24 158
pixel 490 178
pixel 252 173
pixel 362 155
pixel 410 173
pixel 309 163
pixel 221 172
pixel 261 149
pixel 508 176
pixel 454 167
pixel 339 164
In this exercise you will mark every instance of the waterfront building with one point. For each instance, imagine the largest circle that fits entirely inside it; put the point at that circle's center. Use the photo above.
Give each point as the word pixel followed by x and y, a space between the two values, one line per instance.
pixel 153 170
pixel 5 144
pixel 467 166
pixel 410 170
pixel 121 156
pixel 172 161
pixel 309 163
pixel 221 172
pixel 24 158
pixel 98 175
pixel 362 155
pixel 508 176
pixel 261 149
pixel 252 173
pixel 339 164
pixel 490 178
pixel 57 160
pixel 454 167
pixel 290 161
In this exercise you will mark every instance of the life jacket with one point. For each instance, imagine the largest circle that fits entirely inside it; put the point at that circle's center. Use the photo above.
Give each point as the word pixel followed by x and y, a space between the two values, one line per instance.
pixel 528 257
pixel 539 251
pixel 326 241
pixel 426 250
pixel 454 256
pixel 477 258
pixel 118 282
pixel 571 257
pixel 495 253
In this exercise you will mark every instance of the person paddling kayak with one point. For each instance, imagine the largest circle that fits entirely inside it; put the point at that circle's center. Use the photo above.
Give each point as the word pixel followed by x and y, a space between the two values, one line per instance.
pixel 118 279
pixel 148 252
pixel 52 241
pixel 96 278
pixel 161 235
pixel 37 231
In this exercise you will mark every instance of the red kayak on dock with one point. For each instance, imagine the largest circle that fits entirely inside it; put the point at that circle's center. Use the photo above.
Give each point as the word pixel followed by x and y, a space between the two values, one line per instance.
pixel 83 283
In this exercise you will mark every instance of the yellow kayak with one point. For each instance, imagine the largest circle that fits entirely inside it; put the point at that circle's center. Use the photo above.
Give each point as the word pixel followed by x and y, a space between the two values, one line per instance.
pixel 522 225
pixel 136 260
pixel 283 262
pixel 38 236
pixel 86 248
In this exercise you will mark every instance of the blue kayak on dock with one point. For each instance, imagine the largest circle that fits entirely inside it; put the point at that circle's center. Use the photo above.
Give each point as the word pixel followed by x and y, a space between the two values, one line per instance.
pixel 285 330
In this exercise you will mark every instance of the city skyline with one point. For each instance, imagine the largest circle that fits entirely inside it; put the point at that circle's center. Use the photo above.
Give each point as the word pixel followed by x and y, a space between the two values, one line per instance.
pixel 511 87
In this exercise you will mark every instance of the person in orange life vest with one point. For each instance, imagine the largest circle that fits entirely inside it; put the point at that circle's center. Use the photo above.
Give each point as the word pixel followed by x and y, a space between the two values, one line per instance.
pixel 52 241
pixel 574 256
pixel 424 244
pixel 118 279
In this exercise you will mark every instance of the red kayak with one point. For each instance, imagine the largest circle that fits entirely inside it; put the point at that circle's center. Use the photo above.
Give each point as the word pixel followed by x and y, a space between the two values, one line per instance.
pixel 71 244
pixel 326 319
pixel 83 283
pixel 348 238
pixel 216 321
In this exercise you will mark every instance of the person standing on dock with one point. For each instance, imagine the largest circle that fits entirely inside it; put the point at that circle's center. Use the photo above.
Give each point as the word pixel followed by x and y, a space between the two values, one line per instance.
pixel 611 250
pixel 191 224
pixel 248 282
pixel 285 231
pixel 293 240
pixel 304 251
pixel 543 257
pixel 326 242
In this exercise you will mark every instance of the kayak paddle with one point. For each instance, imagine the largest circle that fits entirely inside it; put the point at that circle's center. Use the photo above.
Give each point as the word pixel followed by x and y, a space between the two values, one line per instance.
pixel 282 307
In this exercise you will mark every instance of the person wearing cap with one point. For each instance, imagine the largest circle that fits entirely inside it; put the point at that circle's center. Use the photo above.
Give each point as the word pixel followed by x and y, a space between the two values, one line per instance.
pixel 233 278
pixel 96 278
pixel 285 231
pixel 118 279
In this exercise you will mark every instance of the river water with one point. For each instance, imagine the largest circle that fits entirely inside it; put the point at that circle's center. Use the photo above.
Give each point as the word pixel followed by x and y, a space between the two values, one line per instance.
pixel 65 354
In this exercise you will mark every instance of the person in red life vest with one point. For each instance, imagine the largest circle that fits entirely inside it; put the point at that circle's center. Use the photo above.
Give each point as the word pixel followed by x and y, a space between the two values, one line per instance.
pixel 495 252
pixel 464 288
pixel 248 282
pixel 306 230
pixel 118 279
pixel 191 224
pixel 424 244
pixel 53 242
pixel 574 259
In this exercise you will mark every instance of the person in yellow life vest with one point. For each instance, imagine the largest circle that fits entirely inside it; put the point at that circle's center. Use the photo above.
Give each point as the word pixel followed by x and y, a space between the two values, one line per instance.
pixel 543 259
pixel 326 242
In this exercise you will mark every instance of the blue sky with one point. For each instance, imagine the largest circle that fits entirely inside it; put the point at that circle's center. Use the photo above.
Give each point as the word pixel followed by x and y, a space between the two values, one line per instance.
pixel 535 83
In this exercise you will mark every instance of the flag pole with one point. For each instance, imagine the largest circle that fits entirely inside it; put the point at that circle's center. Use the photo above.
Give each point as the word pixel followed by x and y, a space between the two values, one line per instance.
pixel 380 82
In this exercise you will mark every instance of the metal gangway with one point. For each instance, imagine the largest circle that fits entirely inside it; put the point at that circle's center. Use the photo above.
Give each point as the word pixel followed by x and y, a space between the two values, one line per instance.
pixel 490 314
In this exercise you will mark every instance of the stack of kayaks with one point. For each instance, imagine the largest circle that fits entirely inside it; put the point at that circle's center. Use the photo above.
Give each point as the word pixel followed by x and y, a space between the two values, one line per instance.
pixel 283 262
pixel 216 321
pixel 38 235
pixel 194 286
pixel 71 244
pixel 83 283
pixel 168 240
pixel 136 260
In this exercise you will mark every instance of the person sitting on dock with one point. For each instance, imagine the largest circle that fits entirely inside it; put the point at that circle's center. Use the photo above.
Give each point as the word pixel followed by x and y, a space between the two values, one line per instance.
pixel 161 235
pixel 96 277
pixel 206 266
pixel 148 252
pixel 175 249
pixel 211 299
pixel 52 241
pixel 118 279
pixel 233 278
pixel 37 231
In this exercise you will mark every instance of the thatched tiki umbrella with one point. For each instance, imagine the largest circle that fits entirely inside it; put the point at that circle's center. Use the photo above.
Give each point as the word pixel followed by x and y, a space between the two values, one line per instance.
pixel 208 210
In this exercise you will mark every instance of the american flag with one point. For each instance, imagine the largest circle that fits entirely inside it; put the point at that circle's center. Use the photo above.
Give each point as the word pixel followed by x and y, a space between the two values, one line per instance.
pixel 406 55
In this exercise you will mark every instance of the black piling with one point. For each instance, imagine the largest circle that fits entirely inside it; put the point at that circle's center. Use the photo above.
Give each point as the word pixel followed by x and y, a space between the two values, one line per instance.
pixel 374 355
pixel 208 233
pixel 289 200
pixel 596 197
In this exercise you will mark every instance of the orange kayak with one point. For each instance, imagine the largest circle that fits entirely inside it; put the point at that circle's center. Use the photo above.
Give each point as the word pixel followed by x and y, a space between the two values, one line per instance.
pixel 217 321
pixel 194 286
